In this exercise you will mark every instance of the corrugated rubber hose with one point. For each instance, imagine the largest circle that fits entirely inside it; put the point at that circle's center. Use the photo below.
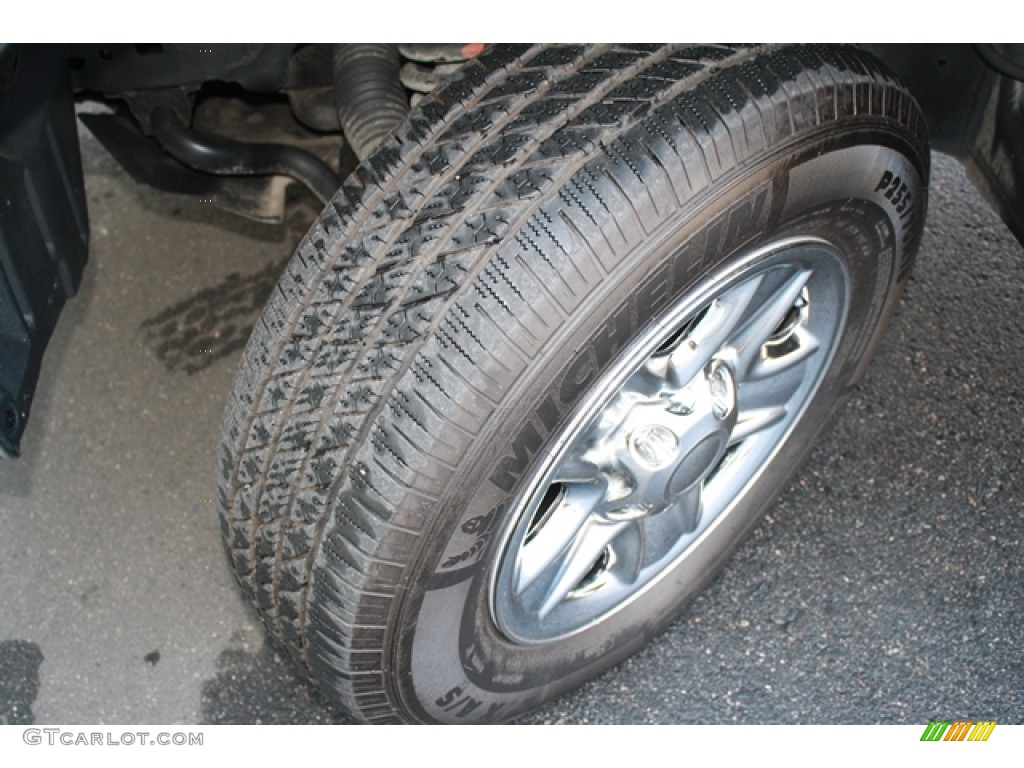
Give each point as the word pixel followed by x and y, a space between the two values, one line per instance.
pixel 370 97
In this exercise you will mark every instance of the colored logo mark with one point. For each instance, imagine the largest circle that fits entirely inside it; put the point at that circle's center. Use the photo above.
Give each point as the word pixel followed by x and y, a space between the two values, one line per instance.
pixel 959 730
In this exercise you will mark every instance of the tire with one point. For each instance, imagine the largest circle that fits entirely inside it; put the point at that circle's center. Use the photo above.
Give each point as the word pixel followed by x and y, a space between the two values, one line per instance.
pixel 546 312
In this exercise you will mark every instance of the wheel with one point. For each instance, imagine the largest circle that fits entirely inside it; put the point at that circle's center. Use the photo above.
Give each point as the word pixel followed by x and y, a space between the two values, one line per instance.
pixel 550 353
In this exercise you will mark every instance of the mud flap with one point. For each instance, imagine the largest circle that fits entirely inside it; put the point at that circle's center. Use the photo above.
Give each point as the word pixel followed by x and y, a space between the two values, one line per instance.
pixel 44 226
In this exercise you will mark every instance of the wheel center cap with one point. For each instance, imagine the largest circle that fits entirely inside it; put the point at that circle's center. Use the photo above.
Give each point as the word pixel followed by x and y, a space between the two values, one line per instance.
pixel 722 387
pixel 654 445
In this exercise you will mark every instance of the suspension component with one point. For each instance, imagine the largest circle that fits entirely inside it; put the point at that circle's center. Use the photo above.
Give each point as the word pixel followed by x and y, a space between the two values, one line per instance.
pixel 222 156
pixel 430 64
pixel 368 94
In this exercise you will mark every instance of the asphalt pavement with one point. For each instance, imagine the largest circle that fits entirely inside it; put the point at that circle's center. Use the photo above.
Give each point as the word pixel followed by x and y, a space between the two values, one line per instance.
pixel 886 586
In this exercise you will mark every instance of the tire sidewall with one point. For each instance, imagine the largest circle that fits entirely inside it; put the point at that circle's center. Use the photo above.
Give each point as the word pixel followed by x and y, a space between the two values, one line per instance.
pixel 858 190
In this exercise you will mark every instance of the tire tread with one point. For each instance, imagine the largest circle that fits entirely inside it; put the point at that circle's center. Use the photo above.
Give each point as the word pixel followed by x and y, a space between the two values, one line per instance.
pixel 368 374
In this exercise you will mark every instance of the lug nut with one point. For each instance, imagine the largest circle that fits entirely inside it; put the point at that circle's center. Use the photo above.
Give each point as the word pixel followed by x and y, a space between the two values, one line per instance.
pixel 682 403
pixel 654 445
pixel 618 486
pixel 723 391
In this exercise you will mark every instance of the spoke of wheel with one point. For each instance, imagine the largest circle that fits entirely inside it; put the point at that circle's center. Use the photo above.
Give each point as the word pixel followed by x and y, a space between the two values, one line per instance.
pixel 771 391
pixel 755 420
pixel 576 469
pixel 629 552
pixel 557 534
pixel 762 324
pixel 577 561
pixel 649 379
pixel 696 349
pixel 661 531
pixel 686 510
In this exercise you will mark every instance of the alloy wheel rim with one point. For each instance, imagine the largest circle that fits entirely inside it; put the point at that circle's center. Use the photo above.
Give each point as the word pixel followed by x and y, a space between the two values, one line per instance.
pixel 669 440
